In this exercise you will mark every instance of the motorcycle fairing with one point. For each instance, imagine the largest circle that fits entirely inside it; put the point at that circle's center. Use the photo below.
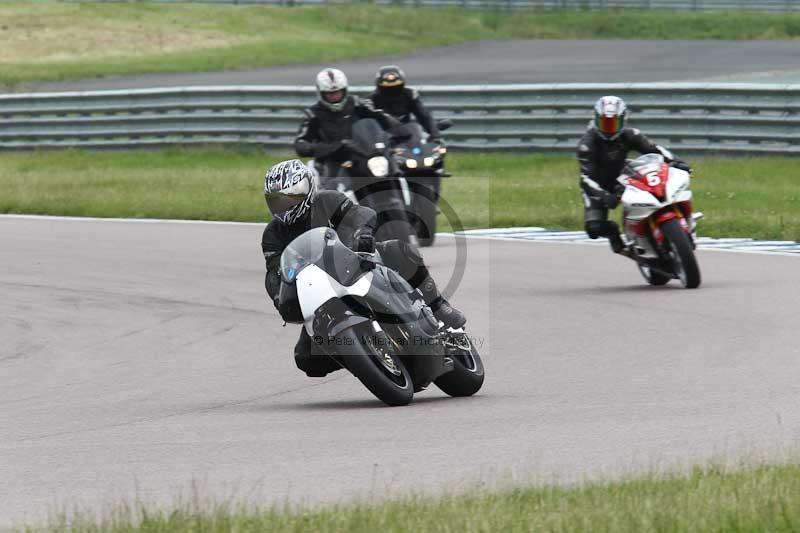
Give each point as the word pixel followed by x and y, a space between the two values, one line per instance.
pixel 324 288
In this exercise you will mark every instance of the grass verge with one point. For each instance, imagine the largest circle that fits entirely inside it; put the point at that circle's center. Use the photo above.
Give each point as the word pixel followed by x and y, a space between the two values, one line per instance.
pixel 59 41
pixel 747 197
pixel 756 499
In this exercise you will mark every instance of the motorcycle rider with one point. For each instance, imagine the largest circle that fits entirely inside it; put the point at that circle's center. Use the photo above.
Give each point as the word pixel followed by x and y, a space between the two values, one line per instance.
pixel 326 128
pixel 296 206
pixel 392 96
pixel 601 153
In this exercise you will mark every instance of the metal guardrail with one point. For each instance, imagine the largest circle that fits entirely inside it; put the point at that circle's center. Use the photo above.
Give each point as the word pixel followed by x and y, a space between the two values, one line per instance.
pixel 680 5
pixel 686 117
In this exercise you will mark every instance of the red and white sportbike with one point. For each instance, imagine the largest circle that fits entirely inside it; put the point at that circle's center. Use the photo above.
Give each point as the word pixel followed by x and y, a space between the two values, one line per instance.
pixel 659 223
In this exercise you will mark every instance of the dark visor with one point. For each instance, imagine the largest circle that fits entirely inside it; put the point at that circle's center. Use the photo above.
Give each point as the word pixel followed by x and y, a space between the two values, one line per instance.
pixel 333 97
pixel 609 125
pixel 278 203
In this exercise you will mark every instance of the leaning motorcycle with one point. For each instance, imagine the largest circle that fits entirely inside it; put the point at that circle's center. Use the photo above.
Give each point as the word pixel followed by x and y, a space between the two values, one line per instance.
pixel 369 320
pixel 659 221
pixel 421 166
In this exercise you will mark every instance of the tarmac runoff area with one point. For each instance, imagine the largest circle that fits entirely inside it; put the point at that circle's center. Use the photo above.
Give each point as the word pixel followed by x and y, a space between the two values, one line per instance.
pixel 138 358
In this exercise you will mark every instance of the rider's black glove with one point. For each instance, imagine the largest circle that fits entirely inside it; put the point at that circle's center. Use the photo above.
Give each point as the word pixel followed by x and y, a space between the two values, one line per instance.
pixel 681 165
pixel 347 144
pixel 365 241
pixel 610 200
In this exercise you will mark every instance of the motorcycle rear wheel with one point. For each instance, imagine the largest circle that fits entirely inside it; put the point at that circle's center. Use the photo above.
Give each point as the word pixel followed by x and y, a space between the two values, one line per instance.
pixel 681 254
pixel 467 375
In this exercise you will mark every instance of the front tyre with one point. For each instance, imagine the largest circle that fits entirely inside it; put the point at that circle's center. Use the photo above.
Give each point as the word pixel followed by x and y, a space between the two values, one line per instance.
pixel 380 371
pixel 681 254
pixel 425 195
pixel 467 375
pixel 426 225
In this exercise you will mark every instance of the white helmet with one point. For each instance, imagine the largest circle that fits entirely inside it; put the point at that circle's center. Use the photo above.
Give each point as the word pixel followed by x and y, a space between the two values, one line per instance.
pixel 332 88
pixel 610 116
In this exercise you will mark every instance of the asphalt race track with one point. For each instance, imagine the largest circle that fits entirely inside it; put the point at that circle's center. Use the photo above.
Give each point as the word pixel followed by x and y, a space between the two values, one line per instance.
pixel 138 358
pixel 519 61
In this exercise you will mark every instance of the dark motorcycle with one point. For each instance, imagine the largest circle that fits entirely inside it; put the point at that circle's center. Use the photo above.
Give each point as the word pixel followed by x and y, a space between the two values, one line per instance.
pixel 369 320
pixel 421 165
pixel 369 178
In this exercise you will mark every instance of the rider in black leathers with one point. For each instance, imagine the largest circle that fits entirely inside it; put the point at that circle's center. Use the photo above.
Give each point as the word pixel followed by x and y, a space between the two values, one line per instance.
pixel 602 152
pixel 296 207
pixel 326 131
pixel 392 96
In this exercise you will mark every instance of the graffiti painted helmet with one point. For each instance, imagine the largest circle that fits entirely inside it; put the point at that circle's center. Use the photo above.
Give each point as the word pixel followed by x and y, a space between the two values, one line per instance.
pixel 289 189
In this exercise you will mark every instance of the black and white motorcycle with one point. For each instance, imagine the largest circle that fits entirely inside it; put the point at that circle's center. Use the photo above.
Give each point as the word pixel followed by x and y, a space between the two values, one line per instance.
pixel 368 319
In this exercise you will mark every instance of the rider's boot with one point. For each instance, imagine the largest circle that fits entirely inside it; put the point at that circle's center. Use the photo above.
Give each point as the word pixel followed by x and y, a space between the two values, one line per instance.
pixel 442 310
pixel 314 365
pixel 618 245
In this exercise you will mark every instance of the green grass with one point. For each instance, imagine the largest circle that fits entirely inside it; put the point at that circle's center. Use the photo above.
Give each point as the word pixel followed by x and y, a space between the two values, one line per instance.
pixel 742 197
pixel 59 41
pixel 765 498
pixel 747 197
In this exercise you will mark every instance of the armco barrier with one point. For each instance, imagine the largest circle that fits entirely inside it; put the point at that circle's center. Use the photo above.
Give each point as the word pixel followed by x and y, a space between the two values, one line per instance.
pixel 687 117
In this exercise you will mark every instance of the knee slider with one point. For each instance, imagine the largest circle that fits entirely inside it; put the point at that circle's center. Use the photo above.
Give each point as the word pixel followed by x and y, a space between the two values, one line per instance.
pixel 411 251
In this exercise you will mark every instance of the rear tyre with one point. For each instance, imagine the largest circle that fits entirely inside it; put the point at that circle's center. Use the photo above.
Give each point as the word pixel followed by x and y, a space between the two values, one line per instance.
pixel 467 375
pixel 381 372
pixel 681 255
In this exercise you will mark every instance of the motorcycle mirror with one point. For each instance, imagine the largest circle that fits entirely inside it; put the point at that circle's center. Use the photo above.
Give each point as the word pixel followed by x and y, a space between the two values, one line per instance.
pixel 444 124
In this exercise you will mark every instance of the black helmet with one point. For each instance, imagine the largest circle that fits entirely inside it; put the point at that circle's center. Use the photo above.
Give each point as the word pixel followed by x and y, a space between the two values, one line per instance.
pixel 289 189
pixel 390 77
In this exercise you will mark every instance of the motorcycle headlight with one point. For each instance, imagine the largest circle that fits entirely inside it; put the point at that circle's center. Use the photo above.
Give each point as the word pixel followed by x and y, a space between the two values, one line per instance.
pixel 441 150
pixel 411 163
pixel 428 161
pixel 379 166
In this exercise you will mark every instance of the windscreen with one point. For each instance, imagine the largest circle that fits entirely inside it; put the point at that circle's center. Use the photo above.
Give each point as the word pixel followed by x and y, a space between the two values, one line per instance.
pixel 367 133
pixel 323 248
pixel 305 250
pixel 644 164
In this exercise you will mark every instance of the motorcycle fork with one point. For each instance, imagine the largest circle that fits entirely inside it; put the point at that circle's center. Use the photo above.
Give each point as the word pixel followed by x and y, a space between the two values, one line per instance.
pixel 662 216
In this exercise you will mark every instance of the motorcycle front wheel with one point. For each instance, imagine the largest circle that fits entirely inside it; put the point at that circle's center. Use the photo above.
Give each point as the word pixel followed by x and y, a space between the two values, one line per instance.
pixel 425 195
pixel 378 368
pixel 681 254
